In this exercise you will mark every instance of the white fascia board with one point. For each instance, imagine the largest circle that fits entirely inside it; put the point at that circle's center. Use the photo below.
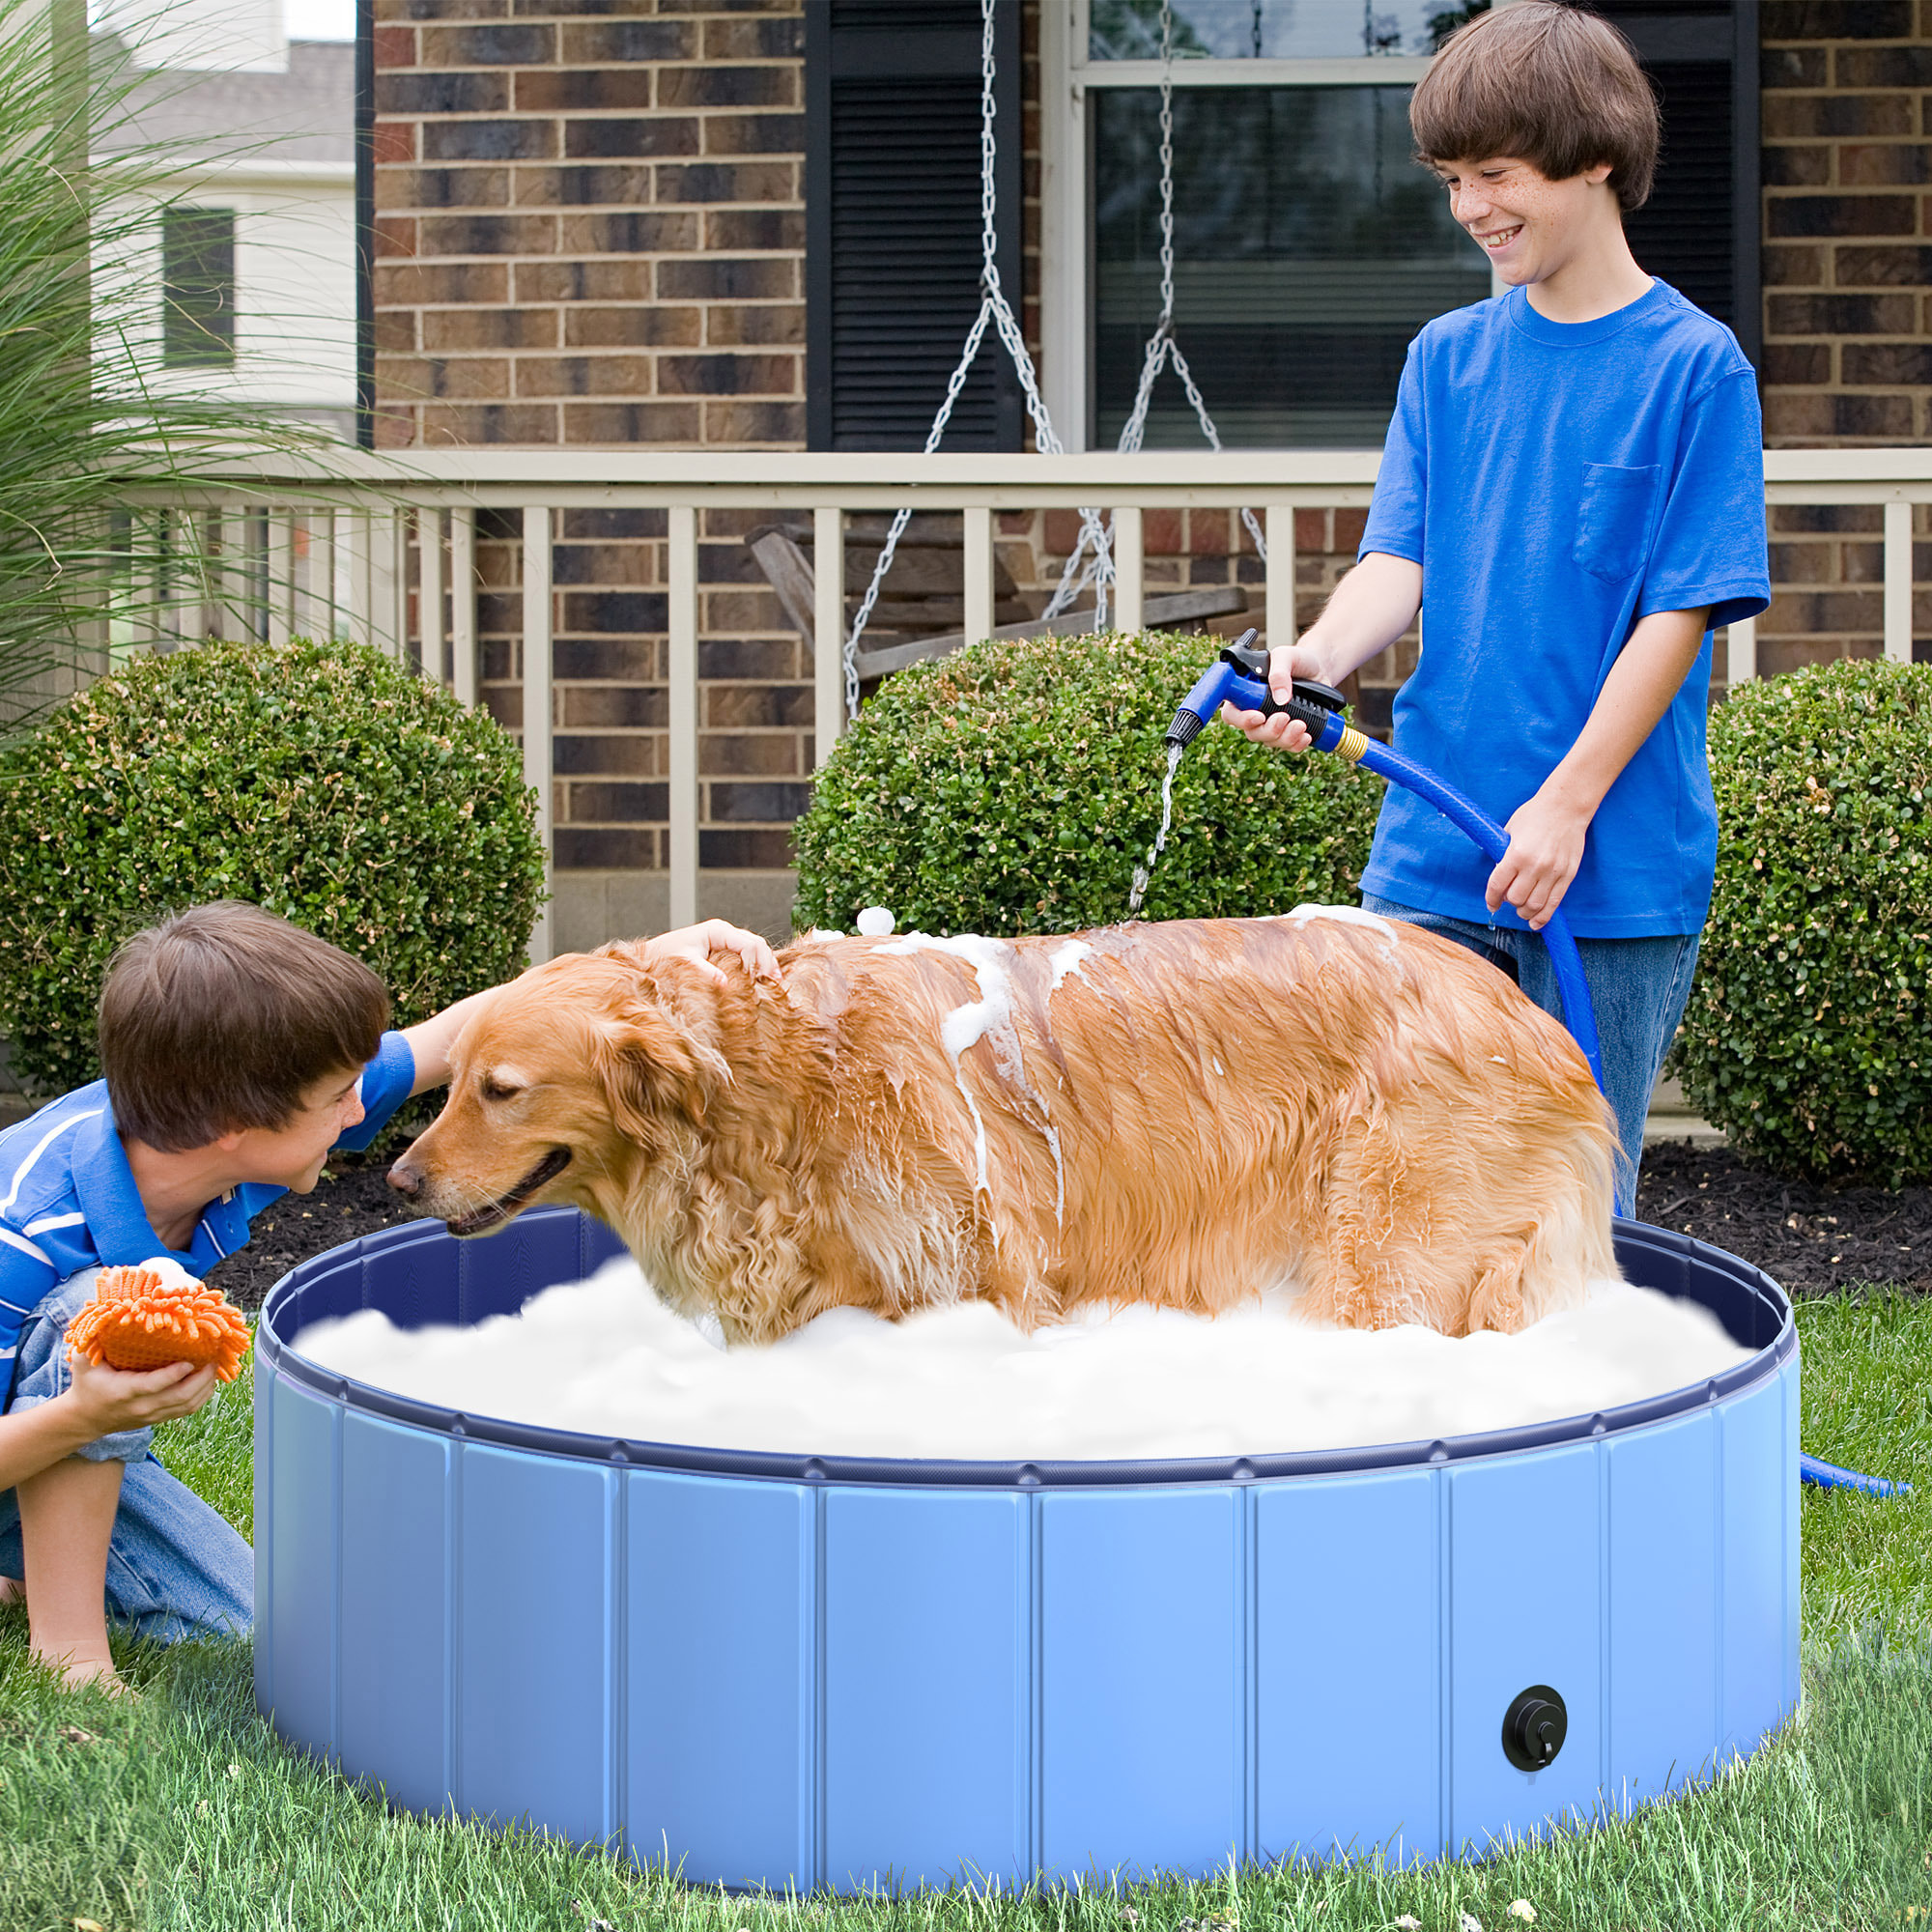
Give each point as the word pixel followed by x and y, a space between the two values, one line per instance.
pixel 237 171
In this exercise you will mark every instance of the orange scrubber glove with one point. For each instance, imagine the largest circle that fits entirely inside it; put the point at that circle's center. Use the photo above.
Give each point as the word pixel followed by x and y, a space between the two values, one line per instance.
pixel 141 1319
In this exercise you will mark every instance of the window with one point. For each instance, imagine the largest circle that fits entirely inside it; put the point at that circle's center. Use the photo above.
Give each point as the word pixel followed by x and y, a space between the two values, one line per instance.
pixel 1309 248
pixel 893 246
pixel 198 287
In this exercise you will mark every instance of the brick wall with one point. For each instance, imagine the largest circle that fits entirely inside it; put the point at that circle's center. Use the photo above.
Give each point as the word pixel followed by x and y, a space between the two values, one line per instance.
pixel 590 231
pixel 1848 296
pixel 591 222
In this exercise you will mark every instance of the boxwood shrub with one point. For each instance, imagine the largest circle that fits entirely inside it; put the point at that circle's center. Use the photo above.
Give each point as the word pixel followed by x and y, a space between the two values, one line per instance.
pixel 1809 1036
pixel 321 782
pixel 1015 787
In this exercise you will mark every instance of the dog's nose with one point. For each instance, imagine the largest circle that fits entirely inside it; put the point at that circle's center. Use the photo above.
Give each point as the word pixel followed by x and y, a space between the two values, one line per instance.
pixel 406 1179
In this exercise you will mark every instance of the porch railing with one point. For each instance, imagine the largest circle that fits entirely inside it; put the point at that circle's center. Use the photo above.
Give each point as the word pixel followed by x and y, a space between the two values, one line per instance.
pixel 295 545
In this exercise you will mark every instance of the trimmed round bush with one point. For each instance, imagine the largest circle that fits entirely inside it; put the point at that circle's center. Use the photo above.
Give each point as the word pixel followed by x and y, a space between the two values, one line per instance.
pixel 321 782
pixel 1809 1036
pixel 1016 785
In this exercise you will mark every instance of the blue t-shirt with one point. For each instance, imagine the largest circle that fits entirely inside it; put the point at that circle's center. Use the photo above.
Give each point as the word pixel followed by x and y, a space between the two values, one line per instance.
pixel 1557 482
pixel 68 1199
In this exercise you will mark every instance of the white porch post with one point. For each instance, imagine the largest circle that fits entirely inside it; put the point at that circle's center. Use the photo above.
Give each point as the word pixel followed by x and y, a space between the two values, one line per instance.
pixel 282 612
pixel 537 703
pixel 682 521
pixel 1129 569
pixel 828 630
pixel 463 604
pixel 429 592
pixel 396 551
pixel 1898 583
pixel 320 601
pixel 979 562
pixel 361 576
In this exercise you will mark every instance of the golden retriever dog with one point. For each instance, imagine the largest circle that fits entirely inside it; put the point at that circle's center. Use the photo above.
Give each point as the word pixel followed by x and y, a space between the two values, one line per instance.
pixel 1186 1113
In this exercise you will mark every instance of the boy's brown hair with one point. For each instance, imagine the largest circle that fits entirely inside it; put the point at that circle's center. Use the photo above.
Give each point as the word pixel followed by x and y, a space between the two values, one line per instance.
pixel 222 1017
pixel 1548 84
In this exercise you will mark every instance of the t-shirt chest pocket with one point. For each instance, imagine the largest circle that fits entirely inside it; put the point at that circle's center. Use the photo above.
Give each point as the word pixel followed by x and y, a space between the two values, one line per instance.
pixel 1614 518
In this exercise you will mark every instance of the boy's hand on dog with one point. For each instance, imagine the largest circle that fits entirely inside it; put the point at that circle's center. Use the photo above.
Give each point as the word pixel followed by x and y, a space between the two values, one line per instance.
pixel 111 1400
pixel 698 943
pixel 1545 851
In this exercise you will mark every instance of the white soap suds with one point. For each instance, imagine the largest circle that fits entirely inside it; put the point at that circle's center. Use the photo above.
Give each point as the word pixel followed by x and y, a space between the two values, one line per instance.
pixel 1066 958
pixel 1374 922
pixel 876 923
pixel 171 1271
pixel 606 1358
pixel 989 1017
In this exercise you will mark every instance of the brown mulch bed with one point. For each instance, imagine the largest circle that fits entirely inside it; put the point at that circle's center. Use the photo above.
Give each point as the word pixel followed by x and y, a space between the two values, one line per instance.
pixel 1809 1238
pixel 354 1198
pixel 1812 1239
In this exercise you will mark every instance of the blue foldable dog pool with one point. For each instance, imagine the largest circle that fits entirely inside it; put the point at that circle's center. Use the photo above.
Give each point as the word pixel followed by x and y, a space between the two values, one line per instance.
pixel 828 1671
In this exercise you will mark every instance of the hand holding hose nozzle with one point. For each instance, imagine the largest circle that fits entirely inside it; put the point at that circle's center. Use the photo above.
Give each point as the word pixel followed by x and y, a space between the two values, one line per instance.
pixel 1239 677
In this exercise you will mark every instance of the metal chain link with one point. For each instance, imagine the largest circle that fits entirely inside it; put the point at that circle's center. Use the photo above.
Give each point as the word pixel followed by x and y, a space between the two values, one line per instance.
pixel 994 308
pixel 1162 346
pixel 1090 560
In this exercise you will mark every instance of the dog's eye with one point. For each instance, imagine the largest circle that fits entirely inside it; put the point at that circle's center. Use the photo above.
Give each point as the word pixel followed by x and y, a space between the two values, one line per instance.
pixel 493 1089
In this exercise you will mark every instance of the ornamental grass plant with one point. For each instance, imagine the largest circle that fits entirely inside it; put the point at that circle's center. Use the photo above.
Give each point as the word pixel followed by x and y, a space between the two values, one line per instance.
pixel 88 415
pixel 1808 1035
pixel 1016 785
pixel 324 783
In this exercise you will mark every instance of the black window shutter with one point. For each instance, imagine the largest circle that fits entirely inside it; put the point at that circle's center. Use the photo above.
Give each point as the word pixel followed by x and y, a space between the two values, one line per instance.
pixel 892 222
pixel 1699 228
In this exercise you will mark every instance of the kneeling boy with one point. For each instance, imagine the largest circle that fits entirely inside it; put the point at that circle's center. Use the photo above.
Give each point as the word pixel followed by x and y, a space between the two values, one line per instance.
pixel 239 1051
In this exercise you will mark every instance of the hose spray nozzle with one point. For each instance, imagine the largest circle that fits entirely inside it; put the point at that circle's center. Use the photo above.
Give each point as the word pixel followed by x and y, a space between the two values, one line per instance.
pixel 1239 677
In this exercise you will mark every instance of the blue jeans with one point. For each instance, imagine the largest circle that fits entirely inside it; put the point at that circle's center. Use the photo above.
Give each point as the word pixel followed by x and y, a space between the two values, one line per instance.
pixel 175 1567
pixel 1638 987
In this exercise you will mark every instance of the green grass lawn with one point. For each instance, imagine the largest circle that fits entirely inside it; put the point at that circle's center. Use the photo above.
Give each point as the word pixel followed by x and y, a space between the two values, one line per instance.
pixel 182 1813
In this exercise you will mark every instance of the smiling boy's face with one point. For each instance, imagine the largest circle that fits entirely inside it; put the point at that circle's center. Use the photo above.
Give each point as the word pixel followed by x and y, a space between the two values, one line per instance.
pixel 1529 226
pixel 292 1155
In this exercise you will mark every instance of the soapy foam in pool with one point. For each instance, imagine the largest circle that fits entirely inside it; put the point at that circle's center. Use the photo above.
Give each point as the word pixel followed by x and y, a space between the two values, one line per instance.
pixel 606 1358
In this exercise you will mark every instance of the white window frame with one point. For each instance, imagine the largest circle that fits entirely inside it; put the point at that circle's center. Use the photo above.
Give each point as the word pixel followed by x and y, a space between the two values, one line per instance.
pixel 1066 228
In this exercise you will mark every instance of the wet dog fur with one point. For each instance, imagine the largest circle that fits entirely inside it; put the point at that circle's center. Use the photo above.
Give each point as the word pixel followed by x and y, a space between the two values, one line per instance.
pixel 1186 1113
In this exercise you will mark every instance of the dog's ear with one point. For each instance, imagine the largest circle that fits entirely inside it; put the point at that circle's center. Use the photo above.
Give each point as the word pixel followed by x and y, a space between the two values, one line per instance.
pixel 658 1055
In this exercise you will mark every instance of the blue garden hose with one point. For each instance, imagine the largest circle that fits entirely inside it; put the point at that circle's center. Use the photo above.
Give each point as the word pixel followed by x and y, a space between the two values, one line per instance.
pixel 1239 677
pixel 1829 1476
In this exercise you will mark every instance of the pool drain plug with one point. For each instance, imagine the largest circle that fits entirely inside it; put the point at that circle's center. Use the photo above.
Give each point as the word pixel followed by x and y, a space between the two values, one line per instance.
pixel 1534 1728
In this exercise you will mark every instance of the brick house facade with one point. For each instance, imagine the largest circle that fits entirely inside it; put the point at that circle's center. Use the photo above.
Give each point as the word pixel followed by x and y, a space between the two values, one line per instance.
pixel 1847 168
pixel 589 229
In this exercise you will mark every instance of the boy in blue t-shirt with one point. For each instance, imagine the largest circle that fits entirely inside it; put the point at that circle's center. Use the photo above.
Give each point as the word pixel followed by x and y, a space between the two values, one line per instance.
pixel 239 1050
pixel 1570 495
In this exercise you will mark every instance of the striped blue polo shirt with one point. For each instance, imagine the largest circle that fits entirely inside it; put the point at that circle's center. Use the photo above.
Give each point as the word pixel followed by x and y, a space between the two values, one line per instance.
pixel 68 1199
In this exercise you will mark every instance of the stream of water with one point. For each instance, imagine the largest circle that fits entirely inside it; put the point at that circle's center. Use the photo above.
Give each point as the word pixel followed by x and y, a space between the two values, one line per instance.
pixel 1143 873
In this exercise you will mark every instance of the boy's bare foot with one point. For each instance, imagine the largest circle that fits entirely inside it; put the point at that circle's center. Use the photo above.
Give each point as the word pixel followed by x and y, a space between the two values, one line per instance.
pixel 11 1591
pixel 79 1668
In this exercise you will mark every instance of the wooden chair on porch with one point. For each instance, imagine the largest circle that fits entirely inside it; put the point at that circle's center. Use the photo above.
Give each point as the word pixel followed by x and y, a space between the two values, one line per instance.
pixel 924 590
